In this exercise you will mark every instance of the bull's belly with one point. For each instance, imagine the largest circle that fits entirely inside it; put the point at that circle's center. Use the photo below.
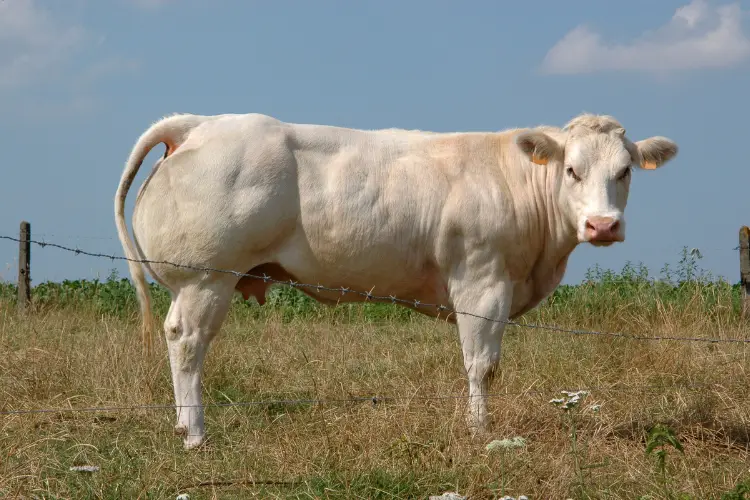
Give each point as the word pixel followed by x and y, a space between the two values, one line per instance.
pixel 351 283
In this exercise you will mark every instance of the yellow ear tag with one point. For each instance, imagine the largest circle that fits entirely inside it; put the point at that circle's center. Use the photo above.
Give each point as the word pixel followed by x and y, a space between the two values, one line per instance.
pixel 538 160
pixel 648 165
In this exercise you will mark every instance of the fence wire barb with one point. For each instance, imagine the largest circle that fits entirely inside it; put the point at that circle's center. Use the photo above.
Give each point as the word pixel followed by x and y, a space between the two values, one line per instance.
pixel 391 298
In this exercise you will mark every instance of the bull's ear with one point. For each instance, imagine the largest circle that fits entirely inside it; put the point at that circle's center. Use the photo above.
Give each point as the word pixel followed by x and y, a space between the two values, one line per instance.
pixel 654 152
pixel 539 147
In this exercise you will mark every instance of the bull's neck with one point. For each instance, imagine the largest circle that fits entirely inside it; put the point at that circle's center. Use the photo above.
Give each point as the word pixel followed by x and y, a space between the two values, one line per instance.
pixel 557 233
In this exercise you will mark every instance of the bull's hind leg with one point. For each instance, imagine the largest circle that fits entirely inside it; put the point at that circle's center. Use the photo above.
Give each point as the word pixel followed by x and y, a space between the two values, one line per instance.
pixel 198 309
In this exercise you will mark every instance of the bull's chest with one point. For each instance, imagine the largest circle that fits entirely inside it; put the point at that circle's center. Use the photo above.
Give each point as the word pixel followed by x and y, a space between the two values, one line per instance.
pixel 538 284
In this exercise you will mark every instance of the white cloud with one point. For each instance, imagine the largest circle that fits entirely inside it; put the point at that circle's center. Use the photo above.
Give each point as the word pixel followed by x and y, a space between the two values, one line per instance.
pixel 698 36
pixel 44 49
pixel 32 42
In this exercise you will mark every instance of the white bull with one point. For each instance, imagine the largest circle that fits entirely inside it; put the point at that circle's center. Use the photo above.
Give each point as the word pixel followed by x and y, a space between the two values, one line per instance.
pixel 479 222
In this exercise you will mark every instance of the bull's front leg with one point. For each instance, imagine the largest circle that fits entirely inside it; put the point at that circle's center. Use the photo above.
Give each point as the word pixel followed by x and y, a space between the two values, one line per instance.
pixel 481 338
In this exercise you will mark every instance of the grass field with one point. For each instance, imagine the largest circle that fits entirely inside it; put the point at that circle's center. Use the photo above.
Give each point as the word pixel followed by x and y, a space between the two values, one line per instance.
pixel 81 348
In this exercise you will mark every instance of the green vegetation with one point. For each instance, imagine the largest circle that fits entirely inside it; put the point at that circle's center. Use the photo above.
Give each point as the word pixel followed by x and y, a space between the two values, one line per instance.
pixel 602 293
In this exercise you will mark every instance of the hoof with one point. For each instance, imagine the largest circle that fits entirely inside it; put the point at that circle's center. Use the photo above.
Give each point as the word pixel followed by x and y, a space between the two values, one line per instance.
pixel 192 442
pixel 479 434
pixel 189 442
pixel 478 428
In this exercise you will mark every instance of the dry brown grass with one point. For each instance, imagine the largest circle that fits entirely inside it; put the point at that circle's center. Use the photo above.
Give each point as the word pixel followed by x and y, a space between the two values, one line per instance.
pixel 404 448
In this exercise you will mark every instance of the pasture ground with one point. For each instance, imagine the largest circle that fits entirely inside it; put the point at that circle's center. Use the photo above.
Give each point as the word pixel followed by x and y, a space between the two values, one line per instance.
pixel 81 348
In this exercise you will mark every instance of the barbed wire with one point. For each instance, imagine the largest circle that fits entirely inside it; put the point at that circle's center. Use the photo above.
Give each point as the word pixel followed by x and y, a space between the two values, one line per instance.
pixel 416 304
pixel 77 237
pixel 651 247
pixel 375 400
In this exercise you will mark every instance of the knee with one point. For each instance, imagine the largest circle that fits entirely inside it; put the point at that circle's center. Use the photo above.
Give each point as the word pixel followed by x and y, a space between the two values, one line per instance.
pixel 484 365
pixel 491 371
pixel 186 352
pixel 172 329
pixel 482 374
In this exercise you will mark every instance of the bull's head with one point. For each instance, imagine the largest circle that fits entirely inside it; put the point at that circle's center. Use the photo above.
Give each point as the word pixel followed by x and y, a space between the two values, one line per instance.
pixel 595 159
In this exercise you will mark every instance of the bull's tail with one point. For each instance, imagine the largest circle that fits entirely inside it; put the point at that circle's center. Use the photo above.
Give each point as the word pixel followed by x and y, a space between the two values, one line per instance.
pixel 171 131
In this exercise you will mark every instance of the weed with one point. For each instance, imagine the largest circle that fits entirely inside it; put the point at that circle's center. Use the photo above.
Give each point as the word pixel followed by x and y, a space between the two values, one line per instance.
pixel 659 438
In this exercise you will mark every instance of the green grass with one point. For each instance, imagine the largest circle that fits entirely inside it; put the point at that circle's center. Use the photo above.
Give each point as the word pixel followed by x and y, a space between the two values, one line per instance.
pixel 602 292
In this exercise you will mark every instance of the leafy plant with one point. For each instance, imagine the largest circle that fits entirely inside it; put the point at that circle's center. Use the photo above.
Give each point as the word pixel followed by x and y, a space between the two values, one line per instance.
pixel 740 492
pixel 657 441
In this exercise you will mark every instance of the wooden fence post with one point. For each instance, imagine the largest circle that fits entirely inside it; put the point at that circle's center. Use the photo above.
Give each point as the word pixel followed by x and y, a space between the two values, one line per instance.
pixel 24 267
pixel 745 269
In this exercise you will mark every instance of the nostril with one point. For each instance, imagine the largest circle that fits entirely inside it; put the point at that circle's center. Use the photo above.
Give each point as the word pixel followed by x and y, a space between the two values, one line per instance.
pixel 602 225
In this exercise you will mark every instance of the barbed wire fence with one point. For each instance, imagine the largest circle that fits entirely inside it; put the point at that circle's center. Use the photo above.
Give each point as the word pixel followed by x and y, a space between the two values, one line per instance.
pixel 115 239
pixel 25 241
pixel 416 304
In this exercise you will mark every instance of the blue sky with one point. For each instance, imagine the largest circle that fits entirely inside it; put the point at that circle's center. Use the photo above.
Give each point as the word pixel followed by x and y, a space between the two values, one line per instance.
pixel 81 79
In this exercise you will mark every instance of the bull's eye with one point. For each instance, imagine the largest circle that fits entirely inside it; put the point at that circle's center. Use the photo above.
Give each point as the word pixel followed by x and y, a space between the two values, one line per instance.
pixel 624 174
pixel 571 172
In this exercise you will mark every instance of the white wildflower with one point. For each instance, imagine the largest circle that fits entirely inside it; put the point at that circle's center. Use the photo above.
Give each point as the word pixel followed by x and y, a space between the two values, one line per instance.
pixel 575 394
pixel 448 495
pixel 506 444
pixel 572 400
pixel 84 468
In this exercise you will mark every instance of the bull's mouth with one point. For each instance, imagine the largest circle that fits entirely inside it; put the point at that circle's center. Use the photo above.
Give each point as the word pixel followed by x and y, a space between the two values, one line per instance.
pixel 603 243
pixel 602 240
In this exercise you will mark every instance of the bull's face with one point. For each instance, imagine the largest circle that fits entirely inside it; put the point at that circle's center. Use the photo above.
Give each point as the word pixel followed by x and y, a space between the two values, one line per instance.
pixel 595 169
